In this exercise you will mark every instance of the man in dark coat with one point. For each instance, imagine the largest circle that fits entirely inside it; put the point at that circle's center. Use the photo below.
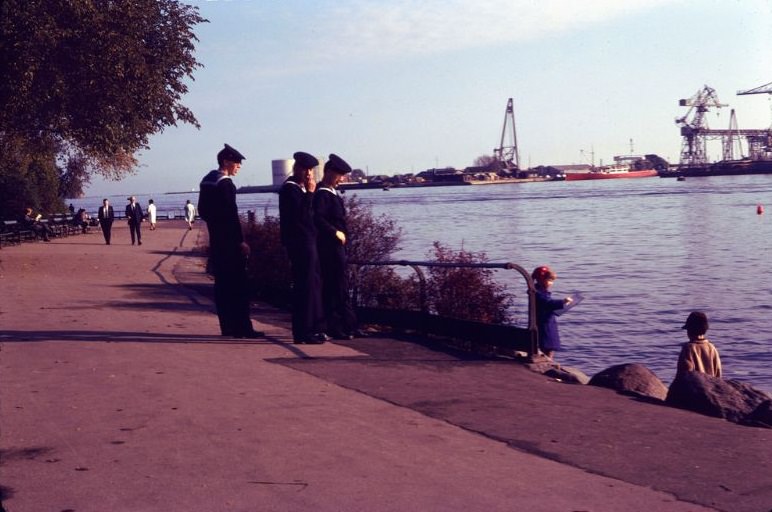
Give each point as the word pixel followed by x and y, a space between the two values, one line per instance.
pixel 332 233
pixel 134 215
pixel 228 253
pixel 298 235
pixel 106 215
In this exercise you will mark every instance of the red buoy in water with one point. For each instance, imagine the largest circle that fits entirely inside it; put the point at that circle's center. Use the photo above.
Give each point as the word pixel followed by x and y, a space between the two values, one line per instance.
pixel 759 209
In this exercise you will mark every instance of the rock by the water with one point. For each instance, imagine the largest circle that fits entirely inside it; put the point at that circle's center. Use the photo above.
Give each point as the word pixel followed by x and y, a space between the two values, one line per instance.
pixel 550 368
pixel 762 415
pixel 730 399
pixel 633 379
pixel 568 374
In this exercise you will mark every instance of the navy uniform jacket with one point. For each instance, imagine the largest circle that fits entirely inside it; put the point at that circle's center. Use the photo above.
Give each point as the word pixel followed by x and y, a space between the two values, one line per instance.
pixel 217 206
pixel 296 216
pixel 330 216
pixel 549 339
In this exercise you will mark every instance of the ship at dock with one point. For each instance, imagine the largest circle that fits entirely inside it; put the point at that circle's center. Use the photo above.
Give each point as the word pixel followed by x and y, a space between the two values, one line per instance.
pixel 623 167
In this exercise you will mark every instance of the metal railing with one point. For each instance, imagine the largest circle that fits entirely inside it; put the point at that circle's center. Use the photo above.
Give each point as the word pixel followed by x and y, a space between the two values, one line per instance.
pixel 524 339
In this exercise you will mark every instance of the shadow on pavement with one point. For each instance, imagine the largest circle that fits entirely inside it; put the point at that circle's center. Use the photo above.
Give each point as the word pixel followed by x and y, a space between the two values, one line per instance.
pixel 129 337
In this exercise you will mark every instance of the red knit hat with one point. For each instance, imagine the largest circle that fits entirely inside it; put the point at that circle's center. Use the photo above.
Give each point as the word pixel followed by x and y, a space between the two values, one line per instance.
pixel 543 273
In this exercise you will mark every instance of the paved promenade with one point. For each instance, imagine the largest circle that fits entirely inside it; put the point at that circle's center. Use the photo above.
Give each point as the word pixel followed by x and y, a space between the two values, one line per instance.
pixel 117 394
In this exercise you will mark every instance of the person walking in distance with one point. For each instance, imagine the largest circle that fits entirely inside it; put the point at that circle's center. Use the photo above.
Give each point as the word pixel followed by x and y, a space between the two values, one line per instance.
pixel 151 214
pixel 228 253
pixel 106 215
pixel 134 215
pixel 332 236
pixel 190 214
pixel 298 236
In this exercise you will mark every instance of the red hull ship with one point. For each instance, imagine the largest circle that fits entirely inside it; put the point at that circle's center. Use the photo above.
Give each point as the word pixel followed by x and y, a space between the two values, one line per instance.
pixel 610 175
pixel 625 167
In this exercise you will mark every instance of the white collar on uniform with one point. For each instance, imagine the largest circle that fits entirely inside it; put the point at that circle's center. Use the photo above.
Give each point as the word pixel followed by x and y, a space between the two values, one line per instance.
pixel 329 189
pixel 302 187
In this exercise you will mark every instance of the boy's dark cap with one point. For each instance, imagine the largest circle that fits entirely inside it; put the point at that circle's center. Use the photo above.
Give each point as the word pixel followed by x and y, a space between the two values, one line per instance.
pixel 697 322
pixel 304 160
pixel 229 153
pixel 337 164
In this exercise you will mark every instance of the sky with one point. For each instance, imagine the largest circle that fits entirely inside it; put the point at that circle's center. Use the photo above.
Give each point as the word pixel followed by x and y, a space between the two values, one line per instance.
pixel 397 86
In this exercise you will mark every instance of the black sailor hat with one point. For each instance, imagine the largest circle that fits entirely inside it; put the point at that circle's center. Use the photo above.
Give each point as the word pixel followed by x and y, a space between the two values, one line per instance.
pixel 337 164
pixel 305 160
pixel 229 153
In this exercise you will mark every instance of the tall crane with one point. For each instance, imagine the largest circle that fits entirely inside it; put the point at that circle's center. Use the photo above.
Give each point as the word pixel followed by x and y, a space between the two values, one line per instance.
pixel 507 153
pixel 693 131
pixel 762 89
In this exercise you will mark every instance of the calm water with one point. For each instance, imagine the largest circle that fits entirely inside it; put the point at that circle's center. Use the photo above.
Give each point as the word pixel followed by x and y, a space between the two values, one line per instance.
pixel 642 252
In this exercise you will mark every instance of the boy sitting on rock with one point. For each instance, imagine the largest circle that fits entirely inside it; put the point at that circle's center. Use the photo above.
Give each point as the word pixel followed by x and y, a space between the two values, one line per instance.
pixel 699 354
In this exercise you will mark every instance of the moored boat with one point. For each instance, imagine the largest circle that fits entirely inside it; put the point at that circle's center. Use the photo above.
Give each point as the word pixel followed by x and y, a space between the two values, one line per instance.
pixel 602 174
pixel 624 167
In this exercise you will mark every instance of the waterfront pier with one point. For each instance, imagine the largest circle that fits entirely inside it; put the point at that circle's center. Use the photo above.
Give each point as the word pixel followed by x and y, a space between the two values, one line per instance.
pixel 117 393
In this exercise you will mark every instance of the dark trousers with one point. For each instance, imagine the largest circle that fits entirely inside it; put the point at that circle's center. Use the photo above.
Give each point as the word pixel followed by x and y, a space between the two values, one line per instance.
pixel 107 229
pixel 136 234
pixel 231 297
pixel 307 313
pixel 338 312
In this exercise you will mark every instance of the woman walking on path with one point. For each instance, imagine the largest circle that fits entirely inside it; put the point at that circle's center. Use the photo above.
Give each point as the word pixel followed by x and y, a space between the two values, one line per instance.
pixel 190 214
pixel 151 214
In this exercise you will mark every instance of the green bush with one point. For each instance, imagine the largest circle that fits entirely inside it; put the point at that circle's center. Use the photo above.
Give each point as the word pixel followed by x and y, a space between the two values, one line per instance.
pixel 464 293
pixel 268 267
pixel 468 293
pixel 374 238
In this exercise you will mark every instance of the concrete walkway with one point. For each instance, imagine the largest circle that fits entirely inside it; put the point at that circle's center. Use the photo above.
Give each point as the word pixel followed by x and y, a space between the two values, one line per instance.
pixel 116 394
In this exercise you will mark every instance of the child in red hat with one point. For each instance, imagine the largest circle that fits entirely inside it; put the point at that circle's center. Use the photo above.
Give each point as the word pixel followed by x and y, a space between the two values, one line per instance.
pixel 549 338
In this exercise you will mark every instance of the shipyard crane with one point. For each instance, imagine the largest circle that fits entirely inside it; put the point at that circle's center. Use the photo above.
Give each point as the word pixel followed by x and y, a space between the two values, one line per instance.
pixel 693 131
pixel 507 153
pixel 762 89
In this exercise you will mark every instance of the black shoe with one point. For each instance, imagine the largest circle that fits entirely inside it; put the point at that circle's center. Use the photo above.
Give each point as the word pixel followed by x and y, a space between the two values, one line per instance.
pixel 314 339
pixel 343 336
pixel 139 243
pixel 250 334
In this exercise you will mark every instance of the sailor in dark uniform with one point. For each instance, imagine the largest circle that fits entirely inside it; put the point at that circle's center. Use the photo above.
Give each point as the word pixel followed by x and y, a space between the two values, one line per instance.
pixel 332 233
pixel 298 236
pixel 228 253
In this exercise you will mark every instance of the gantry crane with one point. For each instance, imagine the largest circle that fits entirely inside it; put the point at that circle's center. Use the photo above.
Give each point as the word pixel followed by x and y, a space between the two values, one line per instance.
pixel 760 145
pixel 762 89
pixel 507 153
pixel 695 132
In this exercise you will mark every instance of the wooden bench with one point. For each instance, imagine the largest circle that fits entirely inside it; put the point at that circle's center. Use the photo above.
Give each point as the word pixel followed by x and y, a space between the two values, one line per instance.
pixel 15 233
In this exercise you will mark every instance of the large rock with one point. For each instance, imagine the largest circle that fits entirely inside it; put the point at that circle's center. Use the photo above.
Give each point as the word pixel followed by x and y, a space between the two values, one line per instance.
pixel 730 399
pixel 567 374
pixel 633 379
pixel 762 416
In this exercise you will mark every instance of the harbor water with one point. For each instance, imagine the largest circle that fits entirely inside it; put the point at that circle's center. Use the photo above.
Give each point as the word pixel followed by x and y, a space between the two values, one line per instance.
pixel 642 252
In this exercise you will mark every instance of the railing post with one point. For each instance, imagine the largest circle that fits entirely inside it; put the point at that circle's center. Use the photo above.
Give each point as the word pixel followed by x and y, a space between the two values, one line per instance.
pixel 533 331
